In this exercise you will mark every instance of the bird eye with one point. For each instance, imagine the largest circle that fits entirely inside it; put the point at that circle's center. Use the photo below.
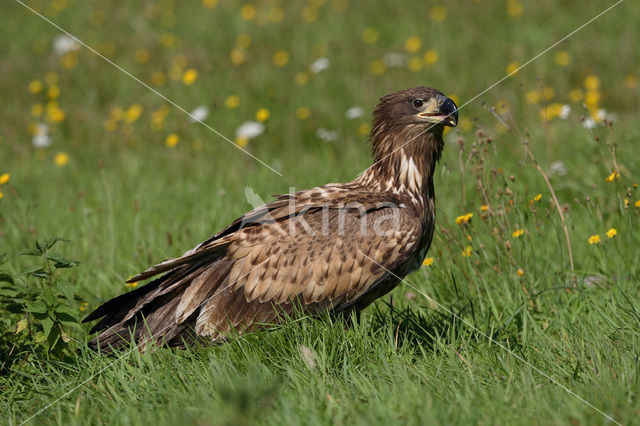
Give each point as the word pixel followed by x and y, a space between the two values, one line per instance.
pixel 418 103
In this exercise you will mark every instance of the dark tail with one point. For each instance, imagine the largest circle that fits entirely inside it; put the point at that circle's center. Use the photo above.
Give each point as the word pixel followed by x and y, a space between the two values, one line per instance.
pixel 146 314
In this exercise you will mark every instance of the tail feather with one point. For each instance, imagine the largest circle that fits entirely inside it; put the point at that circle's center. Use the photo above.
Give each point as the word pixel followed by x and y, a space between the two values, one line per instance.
pixel 148 313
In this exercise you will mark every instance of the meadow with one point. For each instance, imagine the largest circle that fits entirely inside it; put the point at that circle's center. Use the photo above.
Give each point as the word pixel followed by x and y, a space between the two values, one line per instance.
pixel 526 309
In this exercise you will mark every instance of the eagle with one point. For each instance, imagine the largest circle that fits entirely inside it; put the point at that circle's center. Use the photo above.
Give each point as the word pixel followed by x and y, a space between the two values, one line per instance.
pixel 335 248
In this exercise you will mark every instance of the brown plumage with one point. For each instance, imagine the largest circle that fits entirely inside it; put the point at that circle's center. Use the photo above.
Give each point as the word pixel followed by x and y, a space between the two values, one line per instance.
pixel 317 249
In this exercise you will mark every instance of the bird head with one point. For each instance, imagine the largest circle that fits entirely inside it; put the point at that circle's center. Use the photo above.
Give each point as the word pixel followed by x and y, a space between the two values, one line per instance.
pixel 423 106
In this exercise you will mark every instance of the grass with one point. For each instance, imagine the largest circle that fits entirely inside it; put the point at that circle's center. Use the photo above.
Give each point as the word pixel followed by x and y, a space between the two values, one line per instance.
pixel 125 200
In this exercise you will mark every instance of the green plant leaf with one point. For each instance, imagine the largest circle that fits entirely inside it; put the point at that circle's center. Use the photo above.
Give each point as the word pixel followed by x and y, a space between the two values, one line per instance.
pixel 38 307
pixel 40 337
pixel 6 277
pixel 47 325
pixel 67 290
pixel 35 271
pixel 9 292
pixel 22 324
pixel 52 242
pixel 62 262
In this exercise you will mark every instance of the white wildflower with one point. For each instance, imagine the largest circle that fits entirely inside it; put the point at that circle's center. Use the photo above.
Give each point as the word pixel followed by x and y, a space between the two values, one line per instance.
pixel 354 112
pixel 41 138
pixel 319 65
pixel 326 135
pixel 199 114
pixel 558 168
pixel 63 43
pixel 564 111
pixel 588 123
pixel 249 130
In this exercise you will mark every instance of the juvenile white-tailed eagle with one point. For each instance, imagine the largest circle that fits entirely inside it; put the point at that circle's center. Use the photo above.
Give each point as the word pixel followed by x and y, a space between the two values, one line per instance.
pixel 328 248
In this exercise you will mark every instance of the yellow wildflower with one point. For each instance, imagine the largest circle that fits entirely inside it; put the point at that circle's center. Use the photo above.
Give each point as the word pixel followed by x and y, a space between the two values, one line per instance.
pixel 4 178
pixel 467 251
pixel 302 78
pixel 438 13
pixel 377 67
pixel 158 117
pixel 303 113
pixel 158 78
pixel 370 35
pixel 242 142
pixel 53 92
pixel 614 175
pixel 141 56
pixel 415 64
pixel 464 219
pixel 262 115
pixel 612 232
pixel 484 207
pixel 465 123
pixel 576 95
pixel 514 8
pixel 550 111
pixel 520 272
pixel 594 239
pixel 364 129
pixel 132 113
pixel 533 96
pixel 281 58
pixel 512 68
pixel 592 99
pixel 70 60
pixel 189 76
pixel 517 233
pixel 61 159
pixel 1 195
pixel 132 285
pixel 248 12
pixel 592 82
pixel 54 113
pixel 413 44
pixel 637 204
pixel 232 101
pixel 431 57
pixel 428 261
pixel 237 56
pixel 537 197
pixel 626 203
pixel 167 39
pixel 35 86
pixel 172 140
pixel 548 93
pixel 209 3
pixel 562 58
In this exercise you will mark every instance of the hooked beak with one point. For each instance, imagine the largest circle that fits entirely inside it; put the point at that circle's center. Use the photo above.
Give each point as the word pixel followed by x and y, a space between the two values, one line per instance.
pixel 445 111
